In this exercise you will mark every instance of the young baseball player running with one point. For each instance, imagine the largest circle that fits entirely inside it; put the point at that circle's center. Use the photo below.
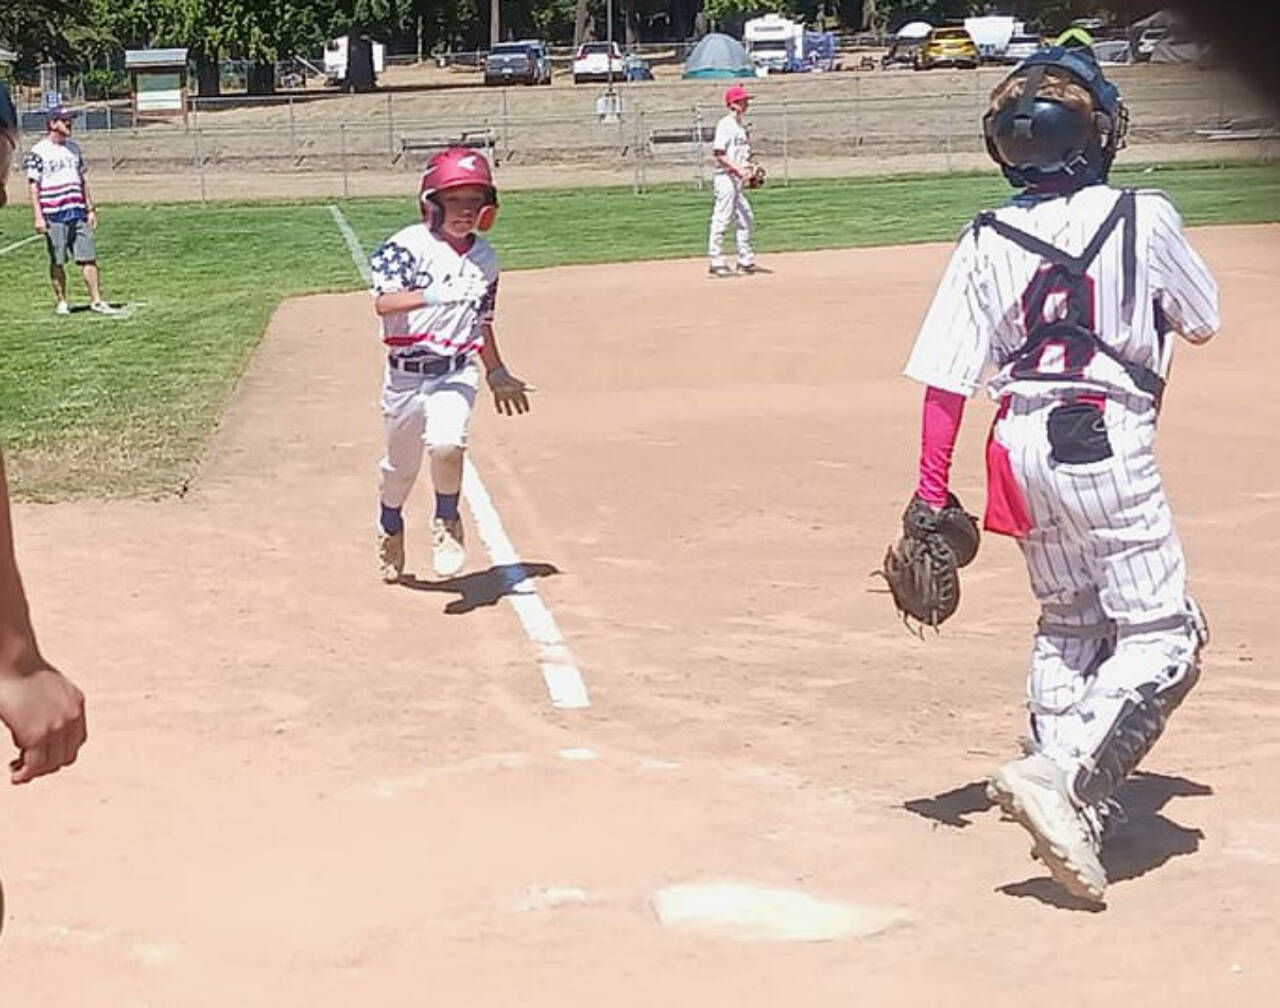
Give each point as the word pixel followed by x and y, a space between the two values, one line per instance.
pixel 1072 292
pixel 435 284
pixel 731 150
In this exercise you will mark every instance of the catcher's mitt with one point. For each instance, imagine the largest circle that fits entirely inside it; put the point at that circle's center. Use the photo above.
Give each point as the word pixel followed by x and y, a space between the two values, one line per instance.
pixel 755 175
pixel 922 567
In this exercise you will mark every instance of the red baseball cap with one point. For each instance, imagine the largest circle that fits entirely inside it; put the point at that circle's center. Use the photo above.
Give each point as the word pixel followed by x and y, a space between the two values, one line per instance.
pixel 736 93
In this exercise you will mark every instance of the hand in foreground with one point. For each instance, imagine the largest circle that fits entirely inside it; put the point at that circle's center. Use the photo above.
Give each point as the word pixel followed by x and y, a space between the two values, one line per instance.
pixel 44 712
pixel 508 391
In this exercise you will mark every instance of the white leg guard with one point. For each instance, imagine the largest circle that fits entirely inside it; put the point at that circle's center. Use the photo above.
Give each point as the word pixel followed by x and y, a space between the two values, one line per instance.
pixel 1136 690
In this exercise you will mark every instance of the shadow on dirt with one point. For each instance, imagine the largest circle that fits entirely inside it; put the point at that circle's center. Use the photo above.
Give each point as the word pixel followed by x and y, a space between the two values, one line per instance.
pixel 1141 840
pixel 481 588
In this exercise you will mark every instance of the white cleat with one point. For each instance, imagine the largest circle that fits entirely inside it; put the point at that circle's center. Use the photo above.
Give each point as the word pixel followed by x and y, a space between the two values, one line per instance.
pixel 448 549
pixel 102 308
pixel 62 308
pixel 390 555
pixel 1033 792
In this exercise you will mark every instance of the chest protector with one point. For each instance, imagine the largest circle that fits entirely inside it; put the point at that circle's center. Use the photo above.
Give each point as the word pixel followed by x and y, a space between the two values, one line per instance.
pixel 1073 331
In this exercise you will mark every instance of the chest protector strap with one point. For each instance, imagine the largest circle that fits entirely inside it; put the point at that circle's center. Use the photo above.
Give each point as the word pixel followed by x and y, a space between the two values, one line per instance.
pixel 1074 329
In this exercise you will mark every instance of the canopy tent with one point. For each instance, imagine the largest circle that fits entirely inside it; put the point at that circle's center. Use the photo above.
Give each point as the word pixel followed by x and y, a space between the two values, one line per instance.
pixel 913 30
pixel 718 56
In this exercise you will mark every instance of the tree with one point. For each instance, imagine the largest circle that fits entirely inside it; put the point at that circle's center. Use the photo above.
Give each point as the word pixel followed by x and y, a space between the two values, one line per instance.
pixel 357 20
pixel 40 29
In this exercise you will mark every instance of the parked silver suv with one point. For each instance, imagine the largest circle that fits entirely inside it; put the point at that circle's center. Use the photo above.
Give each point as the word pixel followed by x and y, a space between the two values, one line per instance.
pixel 523 62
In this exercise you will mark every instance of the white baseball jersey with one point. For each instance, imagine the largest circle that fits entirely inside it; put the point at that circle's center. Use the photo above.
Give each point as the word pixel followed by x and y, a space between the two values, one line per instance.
pixel 58 170
pixel 1074 440
pixel 731 139
pixel 981 312
pixel 465 285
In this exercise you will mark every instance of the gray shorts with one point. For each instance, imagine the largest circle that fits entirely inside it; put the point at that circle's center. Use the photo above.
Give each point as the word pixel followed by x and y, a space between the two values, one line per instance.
pixel 70 240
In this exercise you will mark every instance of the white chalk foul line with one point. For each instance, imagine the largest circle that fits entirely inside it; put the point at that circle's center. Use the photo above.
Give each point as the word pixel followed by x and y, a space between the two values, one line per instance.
pixel 559 671
pixel 18 244
pixel 353 243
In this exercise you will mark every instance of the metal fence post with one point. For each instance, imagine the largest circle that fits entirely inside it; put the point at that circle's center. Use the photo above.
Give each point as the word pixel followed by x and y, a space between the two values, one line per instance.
pixel 698 153
pixel 506 140
pixel 391 144
pixel 342 139
pixel 857 112
pixel 786 144
pixel 200 162
pixel 111 147
pixel 293 135
pixel 638 186
pixel 949 118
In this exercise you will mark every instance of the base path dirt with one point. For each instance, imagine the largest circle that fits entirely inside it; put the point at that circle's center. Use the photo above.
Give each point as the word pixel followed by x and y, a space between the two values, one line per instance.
pixel 304 788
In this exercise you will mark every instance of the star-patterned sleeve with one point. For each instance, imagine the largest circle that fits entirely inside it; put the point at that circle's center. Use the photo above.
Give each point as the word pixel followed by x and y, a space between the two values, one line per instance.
pixel 35 166
pixel 392 267
pixel 489 303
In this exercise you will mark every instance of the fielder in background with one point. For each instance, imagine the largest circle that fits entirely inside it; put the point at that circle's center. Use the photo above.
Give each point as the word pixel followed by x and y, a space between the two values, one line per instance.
pixel 435 285
pixel 63 210
pixel 731 150
pixel 1072 293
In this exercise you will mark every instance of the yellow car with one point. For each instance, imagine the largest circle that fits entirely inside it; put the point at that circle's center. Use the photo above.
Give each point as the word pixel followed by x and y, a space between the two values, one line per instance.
pixel 947 47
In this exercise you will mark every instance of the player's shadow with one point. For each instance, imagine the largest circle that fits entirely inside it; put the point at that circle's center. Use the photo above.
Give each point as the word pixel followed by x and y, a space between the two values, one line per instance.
pixel 481 588
pixel 1140 841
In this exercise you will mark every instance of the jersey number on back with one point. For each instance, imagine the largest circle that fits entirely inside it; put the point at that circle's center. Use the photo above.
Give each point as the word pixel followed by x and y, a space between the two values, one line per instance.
pixel 1055 306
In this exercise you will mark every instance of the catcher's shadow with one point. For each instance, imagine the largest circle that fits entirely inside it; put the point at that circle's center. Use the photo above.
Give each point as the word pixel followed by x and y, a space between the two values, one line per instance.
pixel 1141 841
pixel 481 588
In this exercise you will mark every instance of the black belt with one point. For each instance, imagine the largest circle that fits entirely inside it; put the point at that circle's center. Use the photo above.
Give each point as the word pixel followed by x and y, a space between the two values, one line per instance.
pixel 432 367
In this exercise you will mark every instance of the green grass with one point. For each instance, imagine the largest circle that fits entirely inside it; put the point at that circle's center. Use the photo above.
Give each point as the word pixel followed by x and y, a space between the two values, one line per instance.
pixel 558 227
pixel 106 407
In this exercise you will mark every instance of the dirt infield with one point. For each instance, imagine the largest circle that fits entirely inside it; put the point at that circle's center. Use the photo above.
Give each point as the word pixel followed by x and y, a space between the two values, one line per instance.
pixel 303 788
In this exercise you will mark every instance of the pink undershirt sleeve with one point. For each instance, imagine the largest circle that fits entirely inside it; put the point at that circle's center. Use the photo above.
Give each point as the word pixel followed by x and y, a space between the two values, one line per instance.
pixel 939 426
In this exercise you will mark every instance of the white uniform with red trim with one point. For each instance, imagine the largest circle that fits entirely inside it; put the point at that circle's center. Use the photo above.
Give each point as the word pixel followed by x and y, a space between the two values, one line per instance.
pixel 429 388
pixel 730 139
pixel 1103 558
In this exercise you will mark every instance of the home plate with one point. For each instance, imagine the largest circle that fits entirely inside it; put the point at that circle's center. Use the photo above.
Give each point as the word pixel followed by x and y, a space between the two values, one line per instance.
pixel 736 910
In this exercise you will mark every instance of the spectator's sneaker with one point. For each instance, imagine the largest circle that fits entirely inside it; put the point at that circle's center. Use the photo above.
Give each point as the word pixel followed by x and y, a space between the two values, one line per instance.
pixel 720 270
pixel 448 553
pixel 62 308
pixel 1033 792
pixel 102 308
pixel 390 555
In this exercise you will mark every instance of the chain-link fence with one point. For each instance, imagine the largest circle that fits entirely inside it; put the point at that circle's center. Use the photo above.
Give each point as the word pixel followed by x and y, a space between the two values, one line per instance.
pixel 637 134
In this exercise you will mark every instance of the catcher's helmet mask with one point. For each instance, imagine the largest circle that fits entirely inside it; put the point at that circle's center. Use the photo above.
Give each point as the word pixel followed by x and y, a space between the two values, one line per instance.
pixel 450 169
pixel 1039 141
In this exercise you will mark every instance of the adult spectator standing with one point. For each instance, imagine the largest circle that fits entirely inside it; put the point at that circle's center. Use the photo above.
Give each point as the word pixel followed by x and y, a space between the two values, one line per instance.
pixel 8 140
pixel 42 709
pixel 63 210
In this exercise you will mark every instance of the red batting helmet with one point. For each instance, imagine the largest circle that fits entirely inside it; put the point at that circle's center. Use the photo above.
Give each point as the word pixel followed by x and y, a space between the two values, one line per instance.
pixel 735 93
pixel 457 166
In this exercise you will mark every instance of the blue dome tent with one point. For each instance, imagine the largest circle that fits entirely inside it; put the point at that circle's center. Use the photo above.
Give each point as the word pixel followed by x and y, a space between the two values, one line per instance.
pixel 718 56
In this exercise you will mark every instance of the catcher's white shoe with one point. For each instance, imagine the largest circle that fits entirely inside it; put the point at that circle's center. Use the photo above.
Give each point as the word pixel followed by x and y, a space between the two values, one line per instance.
pixel 390 555
pixel 1033 791
pixel 448 551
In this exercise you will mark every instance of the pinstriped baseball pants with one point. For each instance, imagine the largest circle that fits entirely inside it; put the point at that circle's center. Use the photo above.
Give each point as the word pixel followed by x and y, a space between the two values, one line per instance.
pixel 1108 571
